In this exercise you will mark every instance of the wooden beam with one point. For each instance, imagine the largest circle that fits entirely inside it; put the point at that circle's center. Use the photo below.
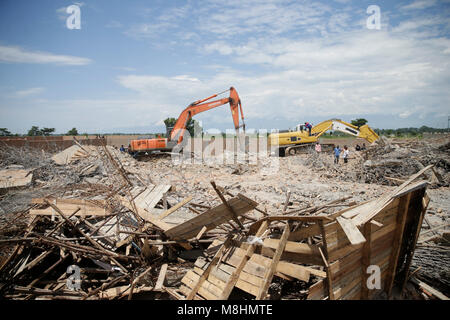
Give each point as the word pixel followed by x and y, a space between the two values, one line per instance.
pixel 397 242
pixel 430 290
pixel 200 234
pixel 227 205
pixel 365 260
pixel 96 244
pixel 273 265
pixel 351 231
pixel 425 202
pixel 161 277
pixel 206 273
pixel 327 262
pixel 174 208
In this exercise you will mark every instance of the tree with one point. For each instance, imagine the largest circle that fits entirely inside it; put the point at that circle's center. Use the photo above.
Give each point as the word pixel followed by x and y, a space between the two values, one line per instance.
pixel 170 123
pixel 4 132
pixel 34 131
pixel 359 122
pixel 72 132
pixel 47 131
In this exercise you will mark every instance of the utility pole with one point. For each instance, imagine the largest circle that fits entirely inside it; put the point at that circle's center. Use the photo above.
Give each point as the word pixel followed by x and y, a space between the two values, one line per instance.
pixel 448 124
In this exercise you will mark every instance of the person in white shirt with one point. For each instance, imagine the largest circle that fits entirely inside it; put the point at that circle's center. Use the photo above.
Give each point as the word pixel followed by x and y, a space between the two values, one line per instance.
pixel 345 155
pixel 318 147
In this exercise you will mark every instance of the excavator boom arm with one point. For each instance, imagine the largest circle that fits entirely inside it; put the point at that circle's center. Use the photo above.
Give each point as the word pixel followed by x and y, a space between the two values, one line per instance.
pixel 364 131
pixel 202 106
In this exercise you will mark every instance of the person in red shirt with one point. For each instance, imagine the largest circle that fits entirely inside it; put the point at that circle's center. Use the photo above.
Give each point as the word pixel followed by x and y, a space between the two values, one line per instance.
pixel 308 127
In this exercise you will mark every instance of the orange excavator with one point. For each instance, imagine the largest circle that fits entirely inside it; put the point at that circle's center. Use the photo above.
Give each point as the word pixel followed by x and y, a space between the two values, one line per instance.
pixel 175 136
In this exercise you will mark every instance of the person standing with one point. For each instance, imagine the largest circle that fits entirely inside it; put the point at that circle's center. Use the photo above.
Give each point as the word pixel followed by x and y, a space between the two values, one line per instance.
pixel 308 127
pixel 345 155
pixel 318 147
pixel 337 153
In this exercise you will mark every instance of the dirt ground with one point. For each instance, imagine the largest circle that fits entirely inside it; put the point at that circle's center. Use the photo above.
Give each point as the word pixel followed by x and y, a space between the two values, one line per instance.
pixel 310 179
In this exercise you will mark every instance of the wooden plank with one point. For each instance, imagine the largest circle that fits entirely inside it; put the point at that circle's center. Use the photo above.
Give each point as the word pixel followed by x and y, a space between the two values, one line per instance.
pixel 68 210
pixel 352 232
pixel 290 269
pixel 216 214
pixel 430 290
pixel 151 196
pixel 336 253
pixel 365 261
pixel 174 208
pixel 235 275
pixel 200 234
pixel 248 281
pixel 271 269
pixel 213 262
pixel 383 201
pixel 294 247
pixel 397 242
pixel 294 257
pixel 227 205
pixel 304 233
pixel 145 215
pixel 61 202
pixel 425 202
pixel 161 277
pixel 329 277
pixel 211 218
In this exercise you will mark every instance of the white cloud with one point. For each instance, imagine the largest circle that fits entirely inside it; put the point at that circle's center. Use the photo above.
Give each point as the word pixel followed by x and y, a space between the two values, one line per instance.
pixel 358 72
pixel 419 4
pixel 28 92
pixel 148 30
pixel 232 18
pixel 19 55
pixel 114 24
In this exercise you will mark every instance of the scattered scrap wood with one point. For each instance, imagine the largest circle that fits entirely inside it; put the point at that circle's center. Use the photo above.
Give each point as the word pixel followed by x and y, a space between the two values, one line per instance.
pixel 71 154
pixel 68 206
pixel 123 243
pixel 211 218
pixel 13 178
pixel 252 260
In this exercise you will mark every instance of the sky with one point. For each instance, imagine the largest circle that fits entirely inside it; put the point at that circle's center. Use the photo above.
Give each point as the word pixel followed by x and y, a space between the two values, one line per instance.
pixel 134 63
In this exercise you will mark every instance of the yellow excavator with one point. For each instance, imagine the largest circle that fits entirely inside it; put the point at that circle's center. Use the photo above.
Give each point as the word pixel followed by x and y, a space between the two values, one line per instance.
pixel 298 141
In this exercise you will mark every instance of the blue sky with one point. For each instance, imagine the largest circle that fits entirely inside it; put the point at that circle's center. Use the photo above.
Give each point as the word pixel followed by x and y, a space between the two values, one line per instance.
pixel 134 63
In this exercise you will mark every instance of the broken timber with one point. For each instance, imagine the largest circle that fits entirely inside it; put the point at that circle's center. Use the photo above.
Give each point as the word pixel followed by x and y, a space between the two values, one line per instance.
pixel 211 218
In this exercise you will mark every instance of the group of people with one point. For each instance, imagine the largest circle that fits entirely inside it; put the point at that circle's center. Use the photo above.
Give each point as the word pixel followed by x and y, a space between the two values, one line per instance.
pixel 337 152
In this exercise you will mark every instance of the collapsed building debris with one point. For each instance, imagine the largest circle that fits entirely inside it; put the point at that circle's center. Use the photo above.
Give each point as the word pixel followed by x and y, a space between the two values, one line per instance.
pixel 103 229
pixel 389 162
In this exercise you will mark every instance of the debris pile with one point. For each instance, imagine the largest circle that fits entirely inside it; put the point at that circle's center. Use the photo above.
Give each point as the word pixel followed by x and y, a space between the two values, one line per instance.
pixel 92 224
pixel 388 162
pixel 394 160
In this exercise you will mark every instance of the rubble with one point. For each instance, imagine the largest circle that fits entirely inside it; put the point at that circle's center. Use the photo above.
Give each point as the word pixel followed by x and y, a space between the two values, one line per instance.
pixel 97 224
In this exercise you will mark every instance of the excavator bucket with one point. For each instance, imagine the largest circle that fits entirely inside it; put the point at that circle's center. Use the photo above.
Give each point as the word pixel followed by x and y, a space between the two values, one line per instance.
pixel 367 133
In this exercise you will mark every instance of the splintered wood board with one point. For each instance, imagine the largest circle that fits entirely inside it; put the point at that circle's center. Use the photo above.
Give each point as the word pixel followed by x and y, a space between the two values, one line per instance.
pixel 250 279
pixel 68 155
pixel 151 196
pixel 68 206
pixel 11 178
pixel 211 218
pixel 352 232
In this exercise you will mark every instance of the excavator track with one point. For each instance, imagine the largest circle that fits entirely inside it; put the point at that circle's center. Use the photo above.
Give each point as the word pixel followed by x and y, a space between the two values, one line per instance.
pixel 291 150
